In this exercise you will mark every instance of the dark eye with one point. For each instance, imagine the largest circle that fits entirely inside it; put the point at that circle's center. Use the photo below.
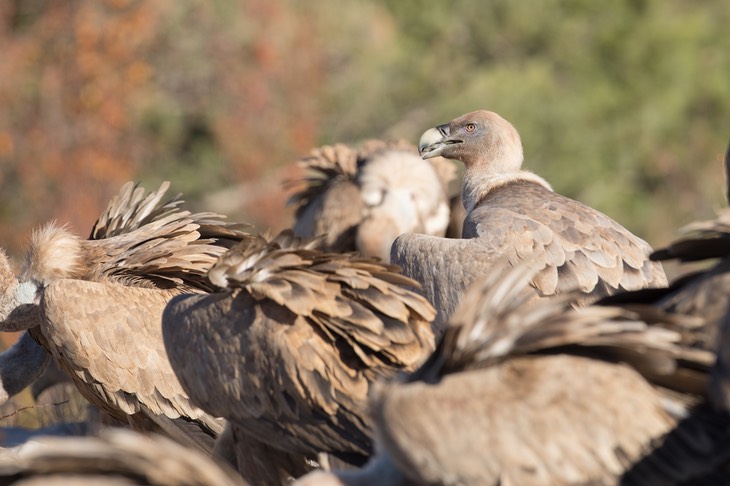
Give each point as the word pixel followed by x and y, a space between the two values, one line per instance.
pixel 470 127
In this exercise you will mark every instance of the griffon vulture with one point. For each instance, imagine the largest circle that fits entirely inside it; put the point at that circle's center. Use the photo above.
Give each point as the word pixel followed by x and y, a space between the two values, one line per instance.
pixel 514 213
pixel 95 304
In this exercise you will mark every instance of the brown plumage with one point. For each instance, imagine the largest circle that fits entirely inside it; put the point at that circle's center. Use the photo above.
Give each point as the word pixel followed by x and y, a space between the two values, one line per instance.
pixel 541 394
pixel 514 214
pixel 117 457
pixel 287 348
pixel 100 300
pixel 363 199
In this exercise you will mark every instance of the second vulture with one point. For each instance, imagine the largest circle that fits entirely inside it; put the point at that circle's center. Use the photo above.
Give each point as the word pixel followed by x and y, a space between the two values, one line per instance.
pixel 362 199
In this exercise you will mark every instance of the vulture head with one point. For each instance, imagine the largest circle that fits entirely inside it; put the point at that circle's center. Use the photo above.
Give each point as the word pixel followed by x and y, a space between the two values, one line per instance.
pixel 400 193
pixel 478 139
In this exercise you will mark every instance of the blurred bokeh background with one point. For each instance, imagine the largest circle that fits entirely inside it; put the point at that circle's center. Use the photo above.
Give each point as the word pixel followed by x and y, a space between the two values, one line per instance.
pixel 624 106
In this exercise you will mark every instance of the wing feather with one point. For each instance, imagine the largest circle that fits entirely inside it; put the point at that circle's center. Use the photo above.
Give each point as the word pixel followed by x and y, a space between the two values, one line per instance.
pixel 290 344
pixel 108 338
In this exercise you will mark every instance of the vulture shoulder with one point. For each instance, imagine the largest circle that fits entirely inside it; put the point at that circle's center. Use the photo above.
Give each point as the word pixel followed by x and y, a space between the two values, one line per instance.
pixel 444 268
pixel 289 345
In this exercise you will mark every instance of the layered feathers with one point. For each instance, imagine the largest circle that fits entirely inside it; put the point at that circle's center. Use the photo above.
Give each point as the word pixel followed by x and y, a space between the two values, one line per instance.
pixel 288 347
pixel 100 302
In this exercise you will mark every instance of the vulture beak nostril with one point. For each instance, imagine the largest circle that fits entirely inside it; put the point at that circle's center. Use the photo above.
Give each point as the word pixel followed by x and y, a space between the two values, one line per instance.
pixel 444 130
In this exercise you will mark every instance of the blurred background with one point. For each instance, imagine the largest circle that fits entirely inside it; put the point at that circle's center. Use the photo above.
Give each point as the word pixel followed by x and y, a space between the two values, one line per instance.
pixel 625 107
pixel 622 105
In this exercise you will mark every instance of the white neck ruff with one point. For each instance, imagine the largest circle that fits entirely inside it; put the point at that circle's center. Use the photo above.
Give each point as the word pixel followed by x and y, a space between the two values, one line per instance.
pixel 477 185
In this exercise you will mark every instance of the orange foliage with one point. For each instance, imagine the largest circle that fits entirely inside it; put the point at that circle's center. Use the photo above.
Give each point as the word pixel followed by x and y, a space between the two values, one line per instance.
pixel 80 79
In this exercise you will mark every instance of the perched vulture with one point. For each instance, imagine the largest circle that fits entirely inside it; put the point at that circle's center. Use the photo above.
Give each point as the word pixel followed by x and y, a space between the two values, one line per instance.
pixel 547 394
pixel 95 305
pixel 287 348
pixel 514 213
pixel 363 199
pixel 118 457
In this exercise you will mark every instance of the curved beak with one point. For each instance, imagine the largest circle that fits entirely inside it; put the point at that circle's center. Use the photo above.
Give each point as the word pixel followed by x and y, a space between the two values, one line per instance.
pixel 435 140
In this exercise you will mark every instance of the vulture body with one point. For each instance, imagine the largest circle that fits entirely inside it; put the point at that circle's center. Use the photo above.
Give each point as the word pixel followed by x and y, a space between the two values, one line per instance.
pixel 545 395
pixel 514 213
pixel 363 199
pixel 288 346
pixel 95 305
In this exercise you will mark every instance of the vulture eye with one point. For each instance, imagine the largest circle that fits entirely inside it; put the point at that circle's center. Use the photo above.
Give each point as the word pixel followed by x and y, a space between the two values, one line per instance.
pixel 470 127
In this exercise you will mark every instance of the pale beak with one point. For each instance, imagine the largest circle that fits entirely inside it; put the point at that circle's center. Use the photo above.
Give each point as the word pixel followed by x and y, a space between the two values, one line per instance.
pixel 434 141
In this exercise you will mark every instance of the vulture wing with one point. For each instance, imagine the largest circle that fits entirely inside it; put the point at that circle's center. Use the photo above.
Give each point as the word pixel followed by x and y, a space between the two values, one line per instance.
pixel 288 348
pixel 573 245
pixel 117 457
pixel 108 338
pixel 142 241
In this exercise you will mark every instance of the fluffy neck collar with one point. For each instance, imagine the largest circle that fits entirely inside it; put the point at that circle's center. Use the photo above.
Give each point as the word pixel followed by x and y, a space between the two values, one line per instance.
pixel 476 185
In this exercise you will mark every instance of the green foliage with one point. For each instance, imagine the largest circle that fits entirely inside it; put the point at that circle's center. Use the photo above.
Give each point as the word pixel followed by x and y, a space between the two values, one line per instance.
pixel 621 105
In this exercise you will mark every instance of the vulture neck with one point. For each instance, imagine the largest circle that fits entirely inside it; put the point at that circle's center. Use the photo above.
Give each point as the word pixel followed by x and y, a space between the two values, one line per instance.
pixel 479 182
pixel 21 365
